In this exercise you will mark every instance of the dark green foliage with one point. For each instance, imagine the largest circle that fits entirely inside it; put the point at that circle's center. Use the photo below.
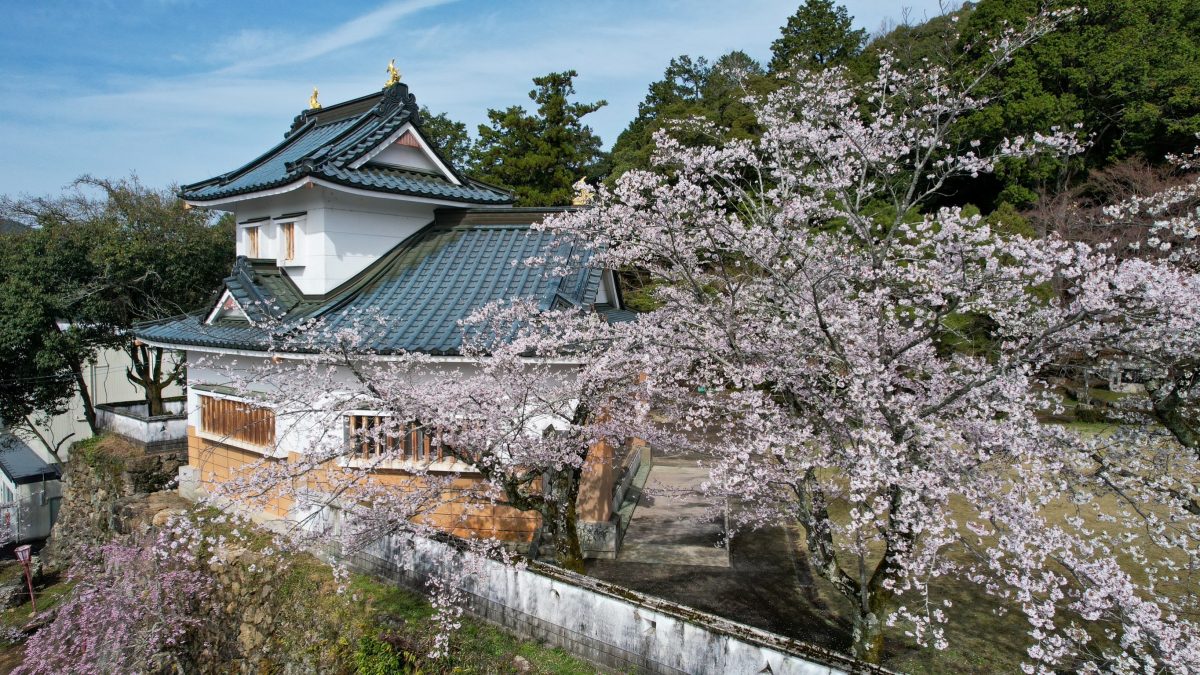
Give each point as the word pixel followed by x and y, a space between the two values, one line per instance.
pixel 819 34
pixel 1007 220
pixel 692 88
pixel 449 137
pixel 41 357
pixel 1128 71
pixel 540 155
pixel 376 657
pixel 102 257
pixel 932 42
pixel 153 257
pixel 34 375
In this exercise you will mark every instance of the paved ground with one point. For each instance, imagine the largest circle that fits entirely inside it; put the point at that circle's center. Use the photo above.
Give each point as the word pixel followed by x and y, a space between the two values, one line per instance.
pixel 670 551
pixel 673 523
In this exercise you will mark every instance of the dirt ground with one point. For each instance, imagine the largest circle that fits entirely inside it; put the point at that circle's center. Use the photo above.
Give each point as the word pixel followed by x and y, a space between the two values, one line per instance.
pixel 760 588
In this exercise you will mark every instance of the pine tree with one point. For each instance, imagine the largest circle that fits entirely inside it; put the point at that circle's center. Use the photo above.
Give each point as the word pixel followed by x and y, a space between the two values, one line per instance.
pixel 818 34
pixel 540 155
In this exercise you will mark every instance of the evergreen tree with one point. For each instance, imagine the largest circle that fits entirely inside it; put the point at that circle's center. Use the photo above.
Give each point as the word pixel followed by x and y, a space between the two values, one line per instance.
pixel 819 34
pixel 449 137
pixel 1128 71
pixel 691 88
pixel 540 155
pixel 92 268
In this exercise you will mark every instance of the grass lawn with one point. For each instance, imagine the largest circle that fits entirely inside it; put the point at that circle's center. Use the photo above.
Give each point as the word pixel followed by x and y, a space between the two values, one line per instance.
pixel 50 591
pixel 376 627
pixel 402 618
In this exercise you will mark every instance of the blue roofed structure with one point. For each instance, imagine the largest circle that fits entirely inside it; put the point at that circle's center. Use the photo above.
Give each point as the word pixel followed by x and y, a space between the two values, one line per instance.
pixel 340 146
pixel 355 215
pixel 21 465
pixel 355 223
pixel 414 296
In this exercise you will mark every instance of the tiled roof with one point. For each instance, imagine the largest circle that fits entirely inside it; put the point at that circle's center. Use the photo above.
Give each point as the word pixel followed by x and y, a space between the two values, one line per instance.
pixel 326 143
pixel 412 298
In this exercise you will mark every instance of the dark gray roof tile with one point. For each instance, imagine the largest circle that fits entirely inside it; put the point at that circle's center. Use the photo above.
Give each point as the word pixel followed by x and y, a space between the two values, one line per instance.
pixel 325 144
pixel 414 296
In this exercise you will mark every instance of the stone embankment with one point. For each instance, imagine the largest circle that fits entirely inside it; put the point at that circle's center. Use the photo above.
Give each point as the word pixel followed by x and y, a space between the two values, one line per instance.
pixel 111 488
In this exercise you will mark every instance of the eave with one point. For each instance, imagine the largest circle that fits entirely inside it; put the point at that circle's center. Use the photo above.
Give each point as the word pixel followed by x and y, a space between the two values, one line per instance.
pixel 341 186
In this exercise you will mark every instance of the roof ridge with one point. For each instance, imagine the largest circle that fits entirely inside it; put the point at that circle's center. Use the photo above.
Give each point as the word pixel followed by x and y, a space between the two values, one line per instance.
pixel 229 176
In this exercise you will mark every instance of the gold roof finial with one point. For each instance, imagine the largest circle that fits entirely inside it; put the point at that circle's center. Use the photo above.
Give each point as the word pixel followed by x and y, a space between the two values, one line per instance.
pixel 583 193
pixel 393 74
pixel 313 103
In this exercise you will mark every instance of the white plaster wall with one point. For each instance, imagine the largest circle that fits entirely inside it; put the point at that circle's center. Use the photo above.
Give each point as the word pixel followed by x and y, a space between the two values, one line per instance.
pixel 615 627
pixel 341 233
pixel 30 517
pixel 146 431
pixel 307 425
pixel 35 509
pixel 107 384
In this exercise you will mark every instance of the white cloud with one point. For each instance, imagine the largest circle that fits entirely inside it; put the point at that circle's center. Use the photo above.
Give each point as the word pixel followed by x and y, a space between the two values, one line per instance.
pixel 248 43
pixel 353 32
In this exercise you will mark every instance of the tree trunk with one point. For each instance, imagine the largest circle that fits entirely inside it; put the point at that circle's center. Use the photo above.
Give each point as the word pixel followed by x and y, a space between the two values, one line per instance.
pixel 866 591
pixel 869 617
pixel 562 521
pixel 89 411
pixel 52 449
pixel 147 373
pixel 1169 411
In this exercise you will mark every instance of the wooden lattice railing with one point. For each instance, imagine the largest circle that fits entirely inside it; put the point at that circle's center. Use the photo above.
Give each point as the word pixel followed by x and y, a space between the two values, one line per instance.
pixel 372 436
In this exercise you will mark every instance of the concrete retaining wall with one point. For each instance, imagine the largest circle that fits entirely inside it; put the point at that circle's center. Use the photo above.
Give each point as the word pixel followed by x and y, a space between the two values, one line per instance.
pixel 608 625
pixel 160 433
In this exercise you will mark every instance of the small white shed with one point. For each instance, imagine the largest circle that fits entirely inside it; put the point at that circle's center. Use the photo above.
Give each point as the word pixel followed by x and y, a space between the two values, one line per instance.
pixel 30 492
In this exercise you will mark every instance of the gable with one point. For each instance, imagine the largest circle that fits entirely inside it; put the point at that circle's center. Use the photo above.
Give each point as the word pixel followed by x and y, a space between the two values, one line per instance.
pixel 227 308
pixel 406 149
pixel 406 153
pixel 373 145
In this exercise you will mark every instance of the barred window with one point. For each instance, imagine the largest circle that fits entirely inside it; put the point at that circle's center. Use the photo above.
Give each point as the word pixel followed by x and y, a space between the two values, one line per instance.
pixel 372 436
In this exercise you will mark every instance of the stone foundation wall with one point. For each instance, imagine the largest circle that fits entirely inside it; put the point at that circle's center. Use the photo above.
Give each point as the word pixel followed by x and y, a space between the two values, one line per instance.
pixel 109 488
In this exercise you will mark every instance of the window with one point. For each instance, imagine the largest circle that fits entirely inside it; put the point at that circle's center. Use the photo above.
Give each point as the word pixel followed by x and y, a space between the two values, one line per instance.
pixel 252 242
pixel 237 420
pixel 372 436
pixel 289 239
pixel 287 233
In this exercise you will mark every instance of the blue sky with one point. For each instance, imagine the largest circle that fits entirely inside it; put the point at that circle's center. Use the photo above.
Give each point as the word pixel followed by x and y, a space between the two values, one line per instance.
pixel 180 90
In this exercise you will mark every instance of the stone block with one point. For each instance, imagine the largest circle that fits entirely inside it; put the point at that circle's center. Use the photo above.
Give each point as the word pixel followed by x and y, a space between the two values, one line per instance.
pixel 599 540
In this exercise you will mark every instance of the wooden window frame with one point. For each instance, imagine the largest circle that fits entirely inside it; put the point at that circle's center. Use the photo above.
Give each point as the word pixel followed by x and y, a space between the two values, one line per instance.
pixel 289 246
pixel 253 241
pixel 219 421
pixel 412 449
pixel 287 236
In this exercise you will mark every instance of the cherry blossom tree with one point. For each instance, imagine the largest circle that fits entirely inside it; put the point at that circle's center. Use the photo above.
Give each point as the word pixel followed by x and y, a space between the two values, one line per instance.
pixel 872 367
pixel 511 424
pixel 853 355
pixel 134 607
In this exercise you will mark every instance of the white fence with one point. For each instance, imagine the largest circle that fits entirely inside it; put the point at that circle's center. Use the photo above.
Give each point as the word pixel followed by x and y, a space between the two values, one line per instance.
pixel 158 433
pixel 606 624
